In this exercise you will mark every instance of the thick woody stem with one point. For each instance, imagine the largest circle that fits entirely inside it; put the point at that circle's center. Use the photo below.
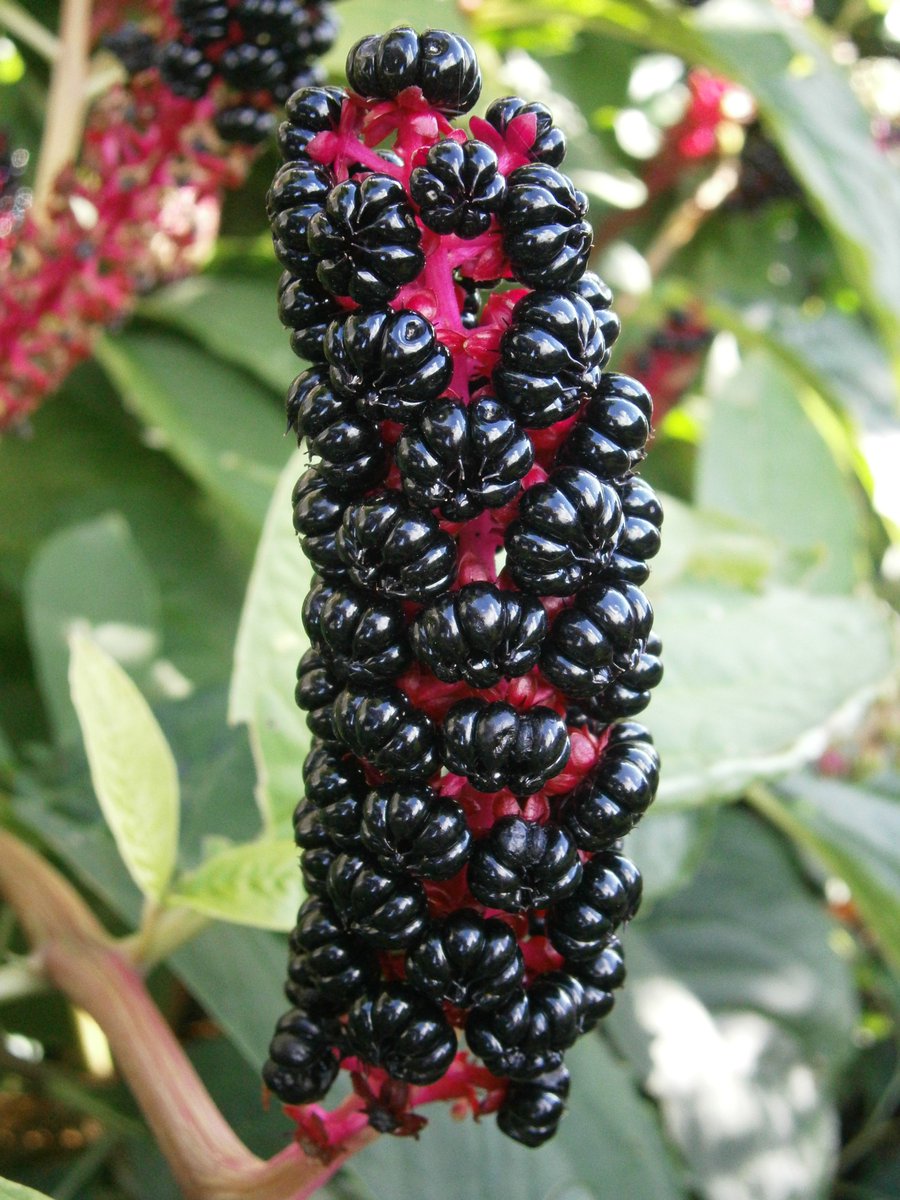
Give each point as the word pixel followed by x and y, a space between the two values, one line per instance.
pixel 67 101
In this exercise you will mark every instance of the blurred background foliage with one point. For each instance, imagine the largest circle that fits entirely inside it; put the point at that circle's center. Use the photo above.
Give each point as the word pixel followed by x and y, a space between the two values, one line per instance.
pixel 741 157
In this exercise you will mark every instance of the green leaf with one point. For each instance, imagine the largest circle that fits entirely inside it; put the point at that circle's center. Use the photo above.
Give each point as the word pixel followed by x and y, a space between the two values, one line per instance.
pixel 609 1144
pixel 756 685
pixel 218 423
pixel 710 547
pixel 15 1191
pixel 269 645
pixel 91 577
pixel 256 884
pixel 132 766
pixel 668 844
pixel 765 462
pixel 855 831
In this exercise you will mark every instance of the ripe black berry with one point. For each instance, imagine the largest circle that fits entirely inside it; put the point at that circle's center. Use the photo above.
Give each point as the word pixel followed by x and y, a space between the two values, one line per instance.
pixel 318 512
pixel 298 193
pixel 467 960
pixel 548 143
pixel 532 1109
pixel 458 188
pixel 319 851
pixel 611 433
pixel 496 746
pixel 404 1032
pixel 442 64
pixel 413 828
pixel 385 909
pixel 628 692
pixel 248 67
pixel 527 1035
pixel 480 635
pixel 328 967
pixel 382 727
pixel 185 70
pixel 609 893
pixel 639 538
pixel 604 971
pixel 306 308
pixel 203 21
pixel 521 865
pixel 244 123
pixel 545 235
pixel 550 357
pixel 610 802
pixel 389 362
pixel 336 785
pixel 303 1058
pixel 366 239
pixel 566 530
pixel 309 111
pixel 390 547
pixel 315 693
pixel 462 459
pixel 362 637
pixel 349 448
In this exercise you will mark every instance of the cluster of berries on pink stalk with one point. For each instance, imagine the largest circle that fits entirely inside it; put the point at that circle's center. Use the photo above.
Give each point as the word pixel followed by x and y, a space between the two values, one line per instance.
pixel 479 637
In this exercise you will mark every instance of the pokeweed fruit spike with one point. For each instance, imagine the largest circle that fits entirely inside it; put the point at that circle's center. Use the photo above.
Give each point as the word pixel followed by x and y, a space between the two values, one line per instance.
pixel 479 639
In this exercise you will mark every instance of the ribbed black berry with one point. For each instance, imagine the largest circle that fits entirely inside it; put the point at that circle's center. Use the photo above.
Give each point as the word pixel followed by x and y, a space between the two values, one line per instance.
pixel 335 783
pixel 550 357
pixel 389 362
pixel 467 960
pixel 531 1110
pixel 390 547
pixel 566 532
pixel 352 457
pixel 410 827
pixel 328 967
pixel 545 234
pixel 609 893
pixel 458 188
pixel 480 635
pixel 527 1035
pixel 382 726
pixel 298 193
pixel 305 308
pixel 404 1032
pixel 318 850
pixel 611 432
pixel 386 909
pixel 318 512
pixel 362 637
pixel 310 111
pixel 244 123
pixel 303 1058
pixel 496 746
pixel 549 144
pixel 366 240
pixel 610 801
pixel 203 20
pixel 462 459
pixel 135 49
pixel 442 64
pixel 520 864
pixel 639 538
pixel 185 70
pixel 605 971
pixel 315 693
pixel 628 691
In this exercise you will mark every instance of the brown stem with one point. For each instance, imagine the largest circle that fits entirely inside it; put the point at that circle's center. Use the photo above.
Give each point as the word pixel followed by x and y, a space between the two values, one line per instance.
pixel 67 101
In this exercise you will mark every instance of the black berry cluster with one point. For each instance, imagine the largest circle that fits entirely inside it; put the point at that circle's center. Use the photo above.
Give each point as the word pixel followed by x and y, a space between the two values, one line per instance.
pixel 256 52
pixel 479 640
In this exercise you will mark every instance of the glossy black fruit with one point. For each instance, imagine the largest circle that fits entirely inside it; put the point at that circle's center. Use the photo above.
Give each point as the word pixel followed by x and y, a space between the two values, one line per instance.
pixel 318 512
pixel 609 893
pixel 385 909
pixel 335 783
pixel 362 637
pixel 319 851
pixel 366 239
pixel 204 21
pixel 315 693
pixel 547 142
pixel 381 726
pixel 185 70
pixel 352 457
pixel 628 691
pixel 610 802
pixel 545 234
pixel 328 967
pixel 306 308
pixel 496 746
pixel 550 357
pixel 413 828
pixel 480 635
pixel 531 1110
pixel 299 192
pixel 310 111
pixel 566 532
pixel 521 865
pixel 248 67
pixel 244 123
pixel 442 64
pixel 467 960
pixel 527 1035
pixel 390 363
pixel 639 538
pixel 458 188
pixel 610 435
pixel 462 459
pixel 404 1032
pixel 303 1058
pixel 389 547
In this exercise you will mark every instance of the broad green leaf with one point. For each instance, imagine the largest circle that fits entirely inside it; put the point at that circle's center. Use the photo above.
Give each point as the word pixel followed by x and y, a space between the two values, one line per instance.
pixel 132 767
pixel 740 1017
pixel 255 884
pixel 712 548
pixel 91 577
pixel 763 461
pixel 609 1144
pixel 855 831
pixel 269 645
pixel 668 844
pixel 756 685
pixel 16 1191
pixel 219 424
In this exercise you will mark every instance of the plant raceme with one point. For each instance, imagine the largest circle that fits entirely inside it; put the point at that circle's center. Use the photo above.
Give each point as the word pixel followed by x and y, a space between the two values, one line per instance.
pixel 479 639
